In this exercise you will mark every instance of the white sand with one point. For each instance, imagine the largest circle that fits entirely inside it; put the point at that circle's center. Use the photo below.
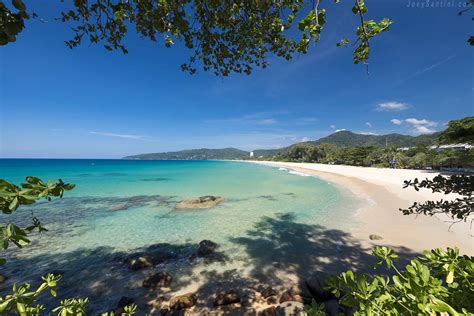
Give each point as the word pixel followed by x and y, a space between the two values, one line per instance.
pixel 384 188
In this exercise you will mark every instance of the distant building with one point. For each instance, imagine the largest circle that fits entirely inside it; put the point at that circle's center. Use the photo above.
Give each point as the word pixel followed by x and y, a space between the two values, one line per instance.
pixel 251 154
pixel 451 146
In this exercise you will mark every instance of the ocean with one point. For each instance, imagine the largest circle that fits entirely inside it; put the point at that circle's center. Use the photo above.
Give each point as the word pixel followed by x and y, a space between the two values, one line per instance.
pixel 121 207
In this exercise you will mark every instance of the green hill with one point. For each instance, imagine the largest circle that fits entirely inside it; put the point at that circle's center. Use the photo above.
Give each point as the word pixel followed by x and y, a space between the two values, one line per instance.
pixel 194 154
pixel 350 139
pixel 340 139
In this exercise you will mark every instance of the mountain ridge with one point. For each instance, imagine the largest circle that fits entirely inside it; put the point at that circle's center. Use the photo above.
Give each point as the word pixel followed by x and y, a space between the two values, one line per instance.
pixel 340 139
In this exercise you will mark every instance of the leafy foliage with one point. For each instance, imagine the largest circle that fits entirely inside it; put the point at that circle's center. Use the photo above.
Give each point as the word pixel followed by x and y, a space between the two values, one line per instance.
pixel 12 23
pixel 459 131
pixel 224 36
pixel 12 196
pixel 23 300
pixel 419 157
pixel 458 209
pixel 437 282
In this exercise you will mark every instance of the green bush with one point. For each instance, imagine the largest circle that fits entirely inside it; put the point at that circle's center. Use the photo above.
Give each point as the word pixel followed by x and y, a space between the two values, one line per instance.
pixel 437 282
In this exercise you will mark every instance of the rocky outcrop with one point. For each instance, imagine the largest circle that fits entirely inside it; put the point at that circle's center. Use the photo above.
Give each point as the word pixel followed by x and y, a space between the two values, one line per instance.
pixel 200 202
pixel 157 280
pixel 206 247
pixel 227 298
pixel 183 301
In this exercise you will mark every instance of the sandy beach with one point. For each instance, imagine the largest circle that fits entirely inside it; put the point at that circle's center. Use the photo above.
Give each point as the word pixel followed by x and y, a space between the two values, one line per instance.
pixel 383 189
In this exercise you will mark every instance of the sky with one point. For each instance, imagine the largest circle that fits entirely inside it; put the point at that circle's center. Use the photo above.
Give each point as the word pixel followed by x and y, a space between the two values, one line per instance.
pixel 91 103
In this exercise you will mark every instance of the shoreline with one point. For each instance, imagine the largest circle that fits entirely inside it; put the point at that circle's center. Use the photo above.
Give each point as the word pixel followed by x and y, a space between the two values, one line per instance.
pixel 384 193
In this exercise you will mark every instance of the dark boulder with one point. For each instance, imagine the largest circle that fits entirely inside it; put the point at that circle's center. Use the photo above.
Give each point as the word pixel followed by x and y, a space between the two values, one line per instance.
pixel 375 237
pixel 227 298
pixel 206 247
pixel 140 262
pixel 3 279
pixel 122 303
pixel 183 301
pixel 157 280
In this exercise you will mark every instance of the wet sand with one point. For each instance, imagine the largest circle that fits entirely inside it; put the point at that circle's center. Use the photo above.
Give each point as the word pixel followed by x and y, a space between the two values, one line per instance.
pixel 384 192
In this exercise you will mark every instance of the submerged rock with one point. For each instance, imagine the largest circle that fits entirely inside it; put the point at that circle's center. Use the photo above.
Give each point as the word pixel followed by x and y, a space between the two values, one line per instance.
pixel 157 280
pixel 148 260
pixel 140 262
pixel 183 301
pixel 122 303
pixel 290 309
pixel 200 202
pixel 375 237
pixel 3 279
pixel 206 247
pixel 227 298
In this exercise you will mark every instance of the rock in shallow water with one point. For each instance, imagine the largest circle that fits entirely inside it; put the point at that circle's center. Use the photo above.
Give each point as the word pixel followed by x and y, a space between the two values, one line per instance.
pixel 122 303
pixel 206 247
pixel 183 301
pixel 200 202
pixel 157 280
pixel 3 279
pixel 227 298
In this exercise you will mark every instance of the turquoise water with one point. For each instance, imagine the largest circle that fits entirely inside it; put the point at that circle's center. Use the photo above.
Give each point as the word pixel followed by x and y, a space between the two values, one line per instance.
pixel 119 206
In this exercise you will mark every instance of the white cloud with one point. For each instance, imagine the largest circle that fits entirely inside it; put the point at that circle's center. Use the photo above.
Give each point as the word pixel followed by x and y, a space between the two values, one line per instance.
pixel 417 122
pixel 340 130
pixel 367 133
pixel 424 130
pixel 396 121
pixel 137 137
pixel 269 121
pixel 333 126
pixel 305 139
pixel 392 106
pixel 368 124
pixel 422 126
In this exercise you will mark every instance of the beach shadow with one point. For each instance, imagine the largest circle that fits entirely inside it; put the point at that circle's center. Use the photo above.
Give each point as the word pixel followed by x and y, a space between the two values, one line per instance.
pixel 281 246
pixel 279 252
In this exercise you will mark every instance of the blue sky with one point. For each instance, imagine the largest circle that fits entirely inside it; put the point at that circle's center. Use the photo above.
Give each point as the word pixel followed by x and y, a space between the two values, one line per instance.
pixel 91 103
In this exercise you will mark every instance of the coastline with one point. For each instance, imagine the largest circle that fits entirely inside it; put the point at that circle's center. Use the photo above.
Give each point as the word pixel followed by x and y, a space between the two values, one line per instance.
pixel 383 190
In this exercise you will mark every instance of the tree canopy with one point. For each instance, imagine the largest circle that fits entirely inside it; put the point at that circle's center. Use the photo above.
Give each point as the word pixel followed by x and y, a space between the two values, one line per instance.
pixel 459 131
pixel 223 36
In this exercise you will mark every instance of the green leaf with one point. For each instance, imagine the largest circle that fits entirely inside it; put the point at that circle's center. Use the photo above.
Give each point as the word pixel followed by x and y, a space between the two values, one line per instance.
pixel 18 4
